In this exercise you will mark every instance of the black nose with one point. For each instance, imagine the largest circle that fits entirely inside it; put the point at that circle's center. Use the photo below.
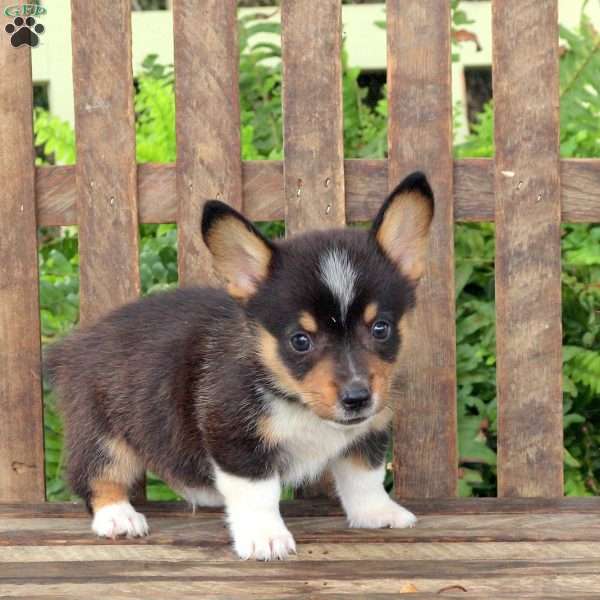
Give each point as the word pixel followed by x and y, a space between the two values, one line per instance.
pixel 355 397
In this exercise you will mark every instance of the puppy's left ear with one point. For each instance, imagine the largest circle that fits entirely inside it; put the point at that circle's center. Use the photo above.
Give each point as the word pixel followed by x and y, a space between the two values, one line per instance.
pixel 402 226
pixel 241 255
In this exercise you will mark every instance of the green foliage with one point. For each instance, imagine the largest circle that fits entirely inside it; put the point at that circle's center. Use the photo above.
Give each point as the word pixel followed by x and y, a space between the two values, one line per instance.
pixel 580 91
pixel 155 113
pixel 365 135
pixel 260 89
pixel 54 138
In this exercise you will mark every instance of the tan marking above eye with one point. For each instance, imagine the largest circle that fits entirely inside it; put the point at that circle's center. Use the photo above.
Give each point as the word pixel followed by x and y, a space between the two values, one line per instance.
pixel 308 322
pixel 370 312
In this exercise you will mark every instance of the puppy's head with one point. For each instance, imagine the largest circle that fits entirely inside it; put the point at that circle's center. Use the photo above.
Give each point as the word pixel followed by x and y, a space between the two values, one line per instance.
pixel 327 307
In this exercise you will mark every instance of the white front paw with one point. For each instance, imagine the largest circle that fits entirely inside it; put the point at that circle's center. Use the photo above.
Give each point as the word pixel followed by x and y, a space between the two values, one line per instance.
pixel 387 514
pixel 263 540
pixel 118 519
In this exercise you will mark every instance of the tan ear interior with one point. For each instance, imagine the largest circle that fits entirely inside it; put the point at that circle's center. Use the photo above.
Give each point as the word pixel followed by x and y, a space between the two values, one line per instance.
pixel 240 258
pixel 403 233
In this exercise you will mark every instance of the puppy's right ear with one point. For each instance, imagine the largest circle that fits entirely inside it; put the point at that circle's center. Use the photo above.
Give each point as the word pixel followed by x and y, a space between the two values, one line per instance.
pixel 402 226
pixel 241 255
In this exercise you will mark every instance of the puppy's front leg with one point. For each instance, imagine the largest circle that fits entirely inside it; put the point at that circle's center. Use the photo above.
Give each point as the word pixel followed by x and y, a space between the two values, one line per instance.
pixel 256 526
pixel 365 501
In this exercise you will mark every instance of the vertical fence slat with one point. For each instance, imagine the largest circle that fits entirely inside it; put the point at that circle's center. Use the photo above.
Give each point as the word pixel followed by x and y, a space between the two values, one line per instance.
pixel 106 169
pixel 420 137
pixel 528 285
pixel 313 115
pixel 313 127
pixel 208 122
pixel 21 427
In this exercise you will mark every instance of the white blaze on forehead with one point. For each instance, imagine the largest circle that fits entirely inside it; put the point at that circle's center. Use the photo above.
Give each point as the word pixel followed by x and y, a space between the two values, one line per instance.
pixel 339 274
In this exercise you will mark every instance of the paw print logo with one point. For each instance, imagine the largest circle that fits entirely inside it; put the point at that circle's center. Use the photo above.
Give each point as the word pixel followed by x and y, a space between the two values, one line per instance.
pixel 24 31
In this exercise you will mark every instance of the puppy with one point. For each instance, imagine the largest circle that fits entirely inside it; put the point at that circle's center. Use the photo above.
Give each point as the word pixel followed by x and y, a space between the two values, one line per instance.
pixel 229 393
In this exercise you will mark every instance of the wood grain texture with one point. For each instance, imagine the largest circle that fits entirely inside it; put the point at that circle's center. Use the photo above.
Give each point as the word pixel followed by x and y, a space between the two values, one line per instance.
pixel 366 184
pixel 420 138
pixel 21 427
pixel 493 555
pixel 552 552
pixel 501 586
pixel 528 269
pixel 106 171
pixel 195 570
pixel 312 114
pixel 309 552
pixel 207 530
pixel 207 123
pixel 564 586
pixel 321 508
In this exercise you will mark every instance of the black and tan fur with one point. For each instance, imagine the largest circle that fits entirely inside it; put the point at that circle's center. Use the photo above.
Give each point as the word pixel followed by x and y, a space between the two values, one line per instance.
pixel 189 381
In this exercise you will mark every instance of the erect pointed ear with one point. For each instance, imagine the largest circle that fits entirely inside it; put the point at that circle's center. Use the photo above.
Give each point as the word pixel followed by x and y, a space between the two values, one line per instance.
pixel 402 226
pixel 241 255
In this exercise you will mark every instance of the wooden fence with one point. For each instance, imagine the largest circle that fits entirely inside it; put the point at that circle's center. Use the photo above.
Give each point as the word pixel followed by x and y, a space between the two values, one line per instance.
pixel 526 190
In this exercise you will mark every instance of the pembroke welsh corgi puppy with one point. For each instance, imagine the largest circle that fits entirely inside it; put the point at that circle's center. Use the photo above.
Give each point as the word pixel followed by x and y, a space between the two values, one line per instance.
pixel 229 393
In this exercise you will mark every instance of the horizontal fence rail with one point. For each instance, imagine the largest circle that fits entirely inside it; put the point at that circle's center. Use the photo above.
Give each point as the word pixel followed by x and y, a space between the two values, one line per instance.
pixel 366 183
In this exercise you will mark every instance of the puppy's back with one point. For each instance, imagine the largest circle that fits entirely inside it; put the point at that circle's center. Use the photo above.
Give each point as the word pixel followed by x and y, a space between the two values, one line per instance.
pixel 150 349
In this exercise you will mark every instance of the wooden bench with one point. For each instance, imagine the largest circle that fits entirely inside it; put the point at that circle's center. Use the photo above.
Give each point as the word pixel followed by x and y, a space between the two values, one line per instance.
pixel 528 542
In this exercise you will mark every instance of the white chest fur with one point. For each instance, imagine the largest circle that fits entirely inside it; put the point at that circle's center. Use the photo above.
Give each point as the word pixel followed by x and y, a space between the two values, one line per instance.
pixel 308 442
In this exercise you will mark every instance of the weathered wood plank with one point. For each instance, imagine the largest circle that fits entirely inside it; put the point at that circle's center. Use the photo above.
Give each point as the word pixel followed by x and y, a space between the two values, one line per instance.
pixel 312 115
pixel 107 211
pixel 528 269
pixel 207 122
pixel 208 531
pixel 291 570
pixel 420 138
pixel 296 577
pixel 21 427
pixel 500 587
pixel 106 200
pixel 323 508
pixel 309 552
pixel 366 184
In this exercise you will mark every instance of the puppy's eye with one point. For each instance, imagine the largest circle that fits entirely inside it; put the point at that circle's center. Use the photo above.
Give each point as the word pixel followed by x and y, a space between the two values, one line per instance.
pixel 301 342
pixel 381 330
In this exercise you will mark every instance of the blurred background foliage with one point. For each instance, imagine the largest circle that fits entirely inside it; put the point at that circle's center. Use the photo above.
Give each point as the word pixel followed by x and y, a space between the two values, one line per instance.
pixel 365 135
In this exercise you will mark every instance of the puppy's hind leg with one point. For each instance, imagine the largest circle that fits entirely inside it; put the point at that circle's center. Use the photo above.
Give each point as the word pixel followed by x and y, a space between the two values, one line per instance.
pixel 109 499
